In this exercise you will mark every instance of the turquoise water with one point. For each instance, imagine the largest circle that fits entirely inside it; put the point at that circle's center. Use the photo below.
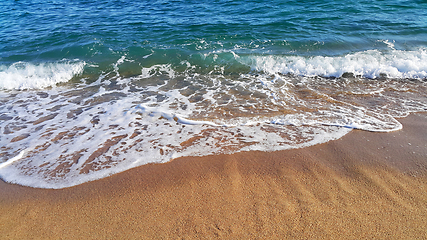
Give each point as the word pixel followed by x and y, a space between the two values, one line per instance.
pixel 173 31
pixel 89 89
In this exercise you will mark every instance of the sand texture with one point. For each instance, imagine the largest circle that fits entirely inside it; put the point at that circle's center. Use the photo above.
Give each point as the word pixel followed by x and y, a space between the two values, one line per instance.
pixel 363 186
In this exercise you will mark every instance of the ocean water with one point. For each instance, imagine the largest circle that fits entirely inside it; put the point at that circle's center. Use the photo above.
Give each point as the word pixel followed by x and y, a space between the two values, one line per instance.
pixel 93 88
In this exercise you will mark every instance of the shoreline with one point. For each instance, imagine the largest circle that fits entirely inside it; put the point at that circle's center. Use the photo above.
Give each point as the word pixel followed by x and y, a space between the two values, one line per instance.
pixel 362 185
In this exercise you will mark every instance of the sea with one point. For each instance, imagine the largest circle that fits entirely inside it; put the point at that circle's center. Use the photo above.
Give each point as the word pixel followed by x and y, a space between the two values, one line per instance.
pixel 93 88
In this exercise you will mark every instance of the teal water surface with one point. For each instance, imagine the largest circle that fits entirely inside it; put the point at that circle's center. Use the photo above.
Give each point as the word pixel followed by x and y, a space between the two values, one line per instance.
pixel 100 32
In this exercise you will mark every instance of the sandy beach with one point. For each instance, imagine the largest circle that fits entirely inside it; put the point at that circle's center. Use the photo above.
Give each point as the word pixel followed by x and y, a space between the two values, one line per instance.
pixel 363 186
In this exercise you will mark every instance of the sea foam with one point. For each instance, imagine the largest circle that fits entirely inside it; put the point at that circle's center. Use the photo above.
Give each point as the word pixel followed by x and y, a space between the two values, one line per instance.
pixel 61 137
pixel 370 64
pixel 24 75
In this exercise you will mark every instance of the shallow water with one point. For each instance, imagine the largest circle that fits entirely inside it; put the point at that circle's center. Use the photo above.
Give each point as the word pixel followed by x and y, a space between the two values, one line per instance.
pixel 88 90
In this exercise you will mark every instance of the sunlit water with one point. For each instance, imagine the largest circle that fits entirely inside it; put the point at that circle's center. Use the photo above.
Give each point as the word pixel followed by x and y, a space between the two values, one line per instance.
pixel 91 89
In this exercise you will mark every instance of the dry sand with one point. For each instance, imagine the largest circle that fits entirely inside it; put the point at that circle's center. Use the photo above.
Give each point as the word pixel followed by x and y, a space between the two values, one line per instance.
pixel 365 185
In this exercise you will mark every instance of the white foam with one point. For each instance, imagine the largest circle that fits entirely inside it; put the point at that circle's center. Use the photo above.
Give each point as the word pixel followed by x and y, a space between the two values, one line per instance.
pixel 23 75
pixel 62 137
pixel 371 64
pixel 157 112
pixel 343 118
pixel 157 69
pixel 388 43
pixel 10 161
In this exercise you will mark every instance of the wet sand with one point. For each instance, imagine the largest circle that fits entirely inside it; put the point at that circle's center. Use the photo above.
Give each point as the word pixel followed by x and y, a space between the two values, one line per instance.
pixel 364 185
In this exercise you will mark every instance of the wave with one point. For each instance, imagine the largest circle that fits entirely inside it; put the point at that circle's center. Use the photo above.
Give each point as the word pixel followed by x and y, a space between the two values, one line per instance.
pixel 390 63
pixel 24 75
pixel 369 64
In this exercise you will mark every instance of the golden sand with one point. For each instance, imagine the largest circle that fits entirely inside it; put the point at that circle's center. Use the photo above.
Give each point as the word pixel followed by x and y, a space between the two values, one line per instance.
pixel 363 186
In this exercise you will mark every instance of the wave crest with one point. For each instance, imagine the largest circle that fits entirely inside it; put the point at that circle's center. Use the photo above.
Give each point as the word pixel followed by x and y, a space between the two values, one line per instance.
pixel 370 64
pixel 24 75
